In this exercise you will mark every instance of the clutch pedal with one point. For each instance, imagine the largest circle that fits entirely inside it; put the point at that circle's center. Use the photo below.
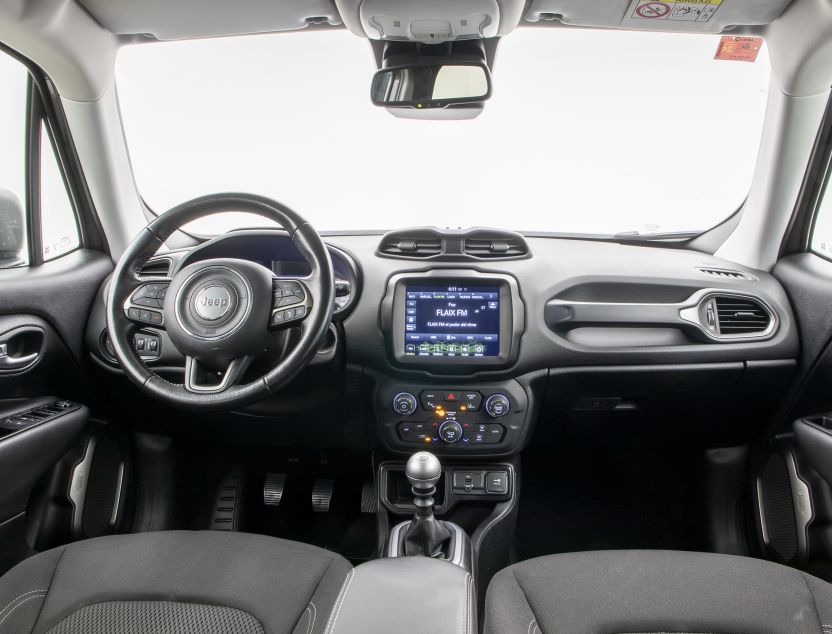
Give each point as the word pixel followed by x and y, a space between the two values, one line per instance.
pixel 322 495
pixel 273 488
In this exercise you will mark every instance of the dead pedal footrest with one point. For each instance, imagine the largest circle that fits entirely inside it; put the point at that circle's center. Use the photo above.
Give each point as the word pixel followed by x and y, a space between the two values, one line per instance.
pixel 228 502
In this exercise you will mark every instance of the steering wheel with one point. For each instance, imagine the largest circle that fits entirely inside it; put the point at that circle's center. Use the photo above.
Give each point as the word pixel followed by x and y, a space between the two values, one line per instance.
pixel 220 313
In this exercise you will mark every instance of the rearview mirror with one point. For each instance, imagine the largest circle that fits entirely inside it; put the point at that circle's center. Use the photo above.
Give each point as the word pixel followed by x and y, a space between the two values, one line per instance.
pixel 431 85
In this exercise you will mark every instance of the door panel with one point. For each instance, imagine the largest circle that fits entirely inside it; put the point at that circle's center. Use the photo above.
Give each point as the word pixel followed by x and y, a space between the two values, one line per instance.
pixel 43 315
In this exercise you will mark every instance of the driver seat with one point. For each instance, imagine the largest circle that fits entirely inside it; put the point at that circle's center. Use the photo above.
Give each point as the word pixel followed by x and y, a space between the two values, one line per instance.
pixel 174 582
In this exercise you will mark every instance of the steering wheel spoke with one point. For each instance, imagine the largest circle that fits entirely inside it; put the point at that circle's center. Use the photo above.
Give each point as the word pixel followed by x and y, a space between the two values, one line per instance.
pixel 200 379
pixel 291 302
pixel 145 305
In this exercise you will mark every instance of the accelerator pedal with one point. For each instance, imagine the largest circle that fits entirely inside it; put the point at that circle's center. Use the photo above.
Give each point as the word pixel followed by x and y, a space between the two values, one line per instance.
pixel 273 488
pixel 228 502
pixel 322 495
pixel 369 499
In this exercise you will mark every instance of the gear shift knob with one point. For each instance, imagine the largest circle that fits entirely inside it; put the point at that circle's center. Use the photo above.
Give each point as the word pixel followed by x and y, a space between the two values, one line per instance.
pixel 423 470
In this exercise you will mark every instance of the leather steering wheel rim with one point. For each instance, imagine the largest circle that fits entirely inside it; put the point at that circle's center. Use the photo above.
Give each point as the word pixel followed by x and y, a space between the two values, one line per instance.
pixel 125 281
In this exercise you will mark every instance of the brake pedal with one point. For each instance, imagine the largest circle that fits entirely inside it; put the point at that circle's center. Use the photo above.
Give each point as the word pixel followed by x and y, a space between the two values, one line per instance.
pixel 322 495
pixel 369 499
pixel 273 488
pixel 228 502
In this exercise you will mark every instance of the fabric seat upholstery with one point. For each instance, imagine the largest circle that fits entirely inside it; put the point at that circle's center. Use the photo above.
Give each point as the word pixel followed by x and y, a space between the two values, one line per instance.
pixel 623 592
pixel 178 582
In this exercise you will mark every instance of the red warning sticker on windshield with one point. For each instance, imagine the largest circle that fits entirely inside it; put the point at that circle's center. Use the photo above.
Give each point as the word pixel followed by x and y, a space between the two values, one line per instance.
pixel 736 48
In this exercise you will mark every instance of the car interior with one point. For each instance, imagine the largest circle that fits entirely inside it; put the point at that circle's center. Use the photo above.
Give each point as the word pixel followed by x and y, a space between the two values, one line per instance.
pixel 502 316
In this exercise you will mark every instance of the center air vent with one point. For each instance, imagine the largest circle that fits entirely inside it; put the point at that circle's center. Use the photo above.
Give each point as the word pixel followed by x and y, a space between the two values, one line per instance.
pixel 498 246
pixel 401 246
pixel 453 245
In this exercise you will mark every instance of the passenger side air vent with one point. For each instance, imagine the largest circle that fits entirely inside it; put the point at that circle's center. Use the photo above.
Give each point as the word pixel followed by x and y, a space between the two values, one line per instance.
pixel 497 246
pixel 411 244
pixel 727 274
pixel 156 268
pixel 741 316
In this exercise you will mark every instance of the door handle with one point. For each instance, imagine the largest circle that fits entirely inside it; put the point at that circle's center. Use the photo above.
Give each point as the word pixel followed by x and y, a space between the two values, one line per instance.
pixel 13 362
pixel 20 349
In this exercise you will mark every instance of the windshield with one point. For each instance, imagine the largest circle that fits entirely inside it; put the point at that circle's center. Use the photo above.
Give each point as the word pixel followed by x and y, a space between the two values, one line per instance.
pixel 587 131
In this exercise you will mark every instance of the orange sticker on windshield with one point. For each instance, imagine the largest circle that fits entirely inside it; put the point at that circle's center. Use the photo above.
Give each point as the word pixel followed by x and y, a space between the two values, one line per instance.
pixel 737 48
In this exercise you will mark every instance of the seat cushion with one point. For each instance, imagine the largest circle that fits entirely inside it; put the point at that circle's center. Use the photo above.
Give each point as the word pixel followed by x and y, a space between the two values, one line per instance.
pixel 174 582
pixel 618 592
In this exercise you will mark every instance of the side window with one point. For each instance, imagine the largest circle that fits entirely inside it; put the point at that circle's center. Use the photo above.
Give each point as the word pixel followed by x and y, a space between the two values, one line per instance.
pixel 59 228
pixel 822 229
pixel 13 200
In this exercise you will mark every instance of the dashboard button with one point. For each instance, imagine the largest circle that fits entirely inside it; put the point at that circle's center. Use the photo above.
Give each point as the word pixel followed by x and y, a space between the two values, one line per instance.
pixel 493 433
pixel 472 400
pixel 407 433
pixel 496 482
pixel 450 397
pixel 404 403
pixel 431 399
pixel 497 405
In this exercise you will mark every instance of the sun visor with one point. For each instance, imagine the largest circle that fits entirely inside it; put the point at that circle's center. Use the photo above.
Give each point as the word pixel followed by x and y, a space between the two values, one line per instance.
pixel 182 19
pixel 693 16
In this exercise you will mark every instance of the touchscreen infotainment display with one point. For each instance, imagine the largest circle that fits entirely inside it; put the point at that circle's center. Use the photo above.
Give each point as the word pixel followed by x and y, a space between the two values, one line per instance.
pixel 452 321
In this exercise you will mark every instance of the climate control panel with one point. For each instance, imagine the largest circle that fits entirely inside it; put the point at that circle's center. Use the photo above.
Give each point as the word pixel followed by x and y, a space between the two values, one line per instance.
pixel 479 419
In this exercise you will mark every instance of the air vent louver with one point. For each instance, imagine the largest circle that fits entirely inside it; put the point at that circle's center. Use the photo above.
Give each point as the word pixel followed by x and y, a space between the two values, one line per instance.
pixel 741 316
pixel 726 274
pixel 509 247
pixel 156 268
pixel 411 247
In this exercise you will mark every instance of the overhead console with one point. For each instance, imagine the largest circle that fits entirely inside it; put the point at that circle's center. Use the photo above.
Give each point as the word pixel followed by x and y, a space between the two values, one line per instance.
pixel 452 320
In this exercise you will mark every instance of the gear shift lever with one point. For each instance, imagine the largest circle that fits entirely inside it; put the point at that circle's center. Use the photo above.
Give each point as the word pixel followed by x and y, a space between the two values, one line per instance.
pixel 425 535
pixel 423 471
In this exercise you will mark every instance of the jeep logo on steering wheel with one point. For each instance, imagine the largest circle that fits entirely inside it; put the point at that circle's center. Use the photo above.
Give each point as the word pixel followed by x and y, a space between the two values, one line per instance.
pixel 212 302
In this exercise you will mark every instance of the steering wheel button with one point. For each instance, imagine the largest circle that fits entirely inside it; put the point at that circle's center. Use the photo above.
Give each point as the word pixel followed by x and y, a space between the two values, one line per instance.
pixel 279 317
pixel 287 300
pixel 300 311
pixel 155 318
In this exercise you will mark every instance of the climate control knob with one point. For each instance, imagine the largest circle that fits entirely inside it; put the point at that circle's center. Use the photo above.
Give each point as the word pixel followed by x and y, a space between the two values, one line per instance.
pixel 497 405
pixel 404 403
pixel 450 431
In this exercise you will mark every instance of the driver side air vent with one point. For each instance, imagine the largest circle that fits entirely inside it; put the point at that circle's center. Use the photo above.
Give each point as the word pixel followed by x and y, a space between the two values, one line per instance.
pixel 156 268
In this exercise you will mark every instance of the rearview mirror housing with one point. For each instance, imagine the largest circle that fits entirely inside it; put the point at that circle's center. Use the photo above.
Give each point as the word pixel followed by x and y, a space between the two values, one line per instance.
pixel 431 85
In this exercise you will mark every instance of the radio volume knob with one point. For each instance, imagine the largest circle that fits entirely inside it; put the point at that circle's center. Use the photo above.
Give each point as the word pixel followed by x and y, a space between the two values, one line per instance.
pixel 404 403
pixel 497 405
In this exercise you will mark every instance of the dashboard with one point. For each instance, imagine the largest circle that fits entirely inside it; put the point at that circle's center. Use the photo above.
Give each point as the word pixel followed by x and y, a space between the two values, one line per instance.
pixel 468 340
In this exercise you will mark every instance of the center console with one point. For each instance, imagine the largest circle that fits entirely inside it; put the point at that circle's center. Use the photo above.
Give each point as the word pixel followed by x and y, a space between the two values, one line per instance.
pixel 453 322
